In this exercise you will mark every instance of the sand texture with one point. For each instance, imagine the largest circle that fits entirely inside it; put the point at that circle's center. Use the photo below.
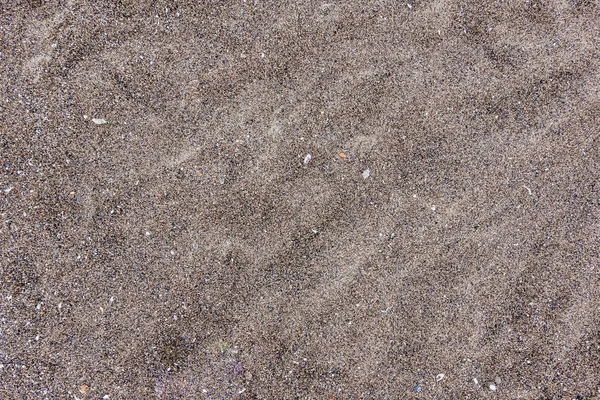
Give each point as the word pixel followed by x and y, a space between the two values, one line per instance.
pixel 284 199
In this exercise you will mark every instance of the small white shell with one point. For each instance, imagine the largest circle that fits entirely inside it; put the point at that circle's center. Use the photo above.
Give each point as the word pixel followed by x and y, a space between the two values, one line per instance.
pixel 307 158
pixel 439 377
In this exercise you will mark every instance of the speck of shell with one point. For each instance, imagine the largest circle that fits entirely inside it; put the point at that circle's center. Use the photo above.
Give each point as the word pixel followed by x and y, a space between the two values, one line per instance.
pixel 307 158
pixel 366 173
pixel 493 387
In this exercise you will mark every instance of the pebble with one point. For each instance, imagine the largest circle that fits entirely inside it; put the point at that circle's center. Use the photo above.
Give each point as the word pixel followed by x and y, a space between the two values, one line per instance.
pixel 99 121
pixel 307 158
pixel 366 173
pixel 492 387
pixel 417 388
pixel 498 380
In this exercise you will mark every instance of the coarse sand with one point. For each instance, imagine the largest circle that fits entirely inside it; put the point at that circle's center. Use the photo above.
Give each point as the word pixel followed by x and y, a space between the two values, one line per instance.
pixel 260 199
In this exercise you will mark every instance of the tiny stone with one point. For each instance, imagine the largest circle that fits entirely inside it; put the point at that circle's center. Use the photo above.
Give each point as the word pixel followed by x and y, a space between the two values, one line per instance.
pixel 498 380
pixel 366 173
pixel 417 388
pixel 99 121
pixel 492 387
pixel 307 158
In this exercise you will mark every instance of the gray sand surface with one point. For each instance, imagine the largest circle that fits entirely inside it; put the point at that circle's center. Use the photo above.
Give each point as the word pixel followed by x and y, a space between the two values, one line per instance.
pixel 163 234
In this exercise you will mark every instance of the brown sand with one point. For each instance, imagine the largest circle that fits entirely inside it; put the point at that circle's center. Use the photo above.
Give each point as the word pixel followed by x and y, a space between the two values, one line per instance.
pixel 184 250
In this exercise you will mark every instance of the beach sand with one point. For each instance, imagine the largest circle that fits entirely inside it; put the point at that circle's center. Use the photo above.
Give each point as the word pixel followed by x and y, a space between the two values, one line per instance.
pixel 165 235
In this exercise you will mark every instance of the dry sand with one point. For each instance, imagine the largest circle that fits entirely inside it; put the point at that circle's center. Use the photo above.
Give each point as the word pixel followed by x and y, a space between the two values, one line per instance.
pixel 164 236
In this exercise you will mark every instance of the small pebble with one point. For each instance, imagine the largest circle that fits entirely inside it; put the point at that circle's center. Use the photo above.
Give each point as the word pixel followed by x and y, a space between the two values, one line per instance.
pixel 307 158
pixel 99 121
pixel 417 388
pixel 498 380
pixel 366 173
pixel 492 387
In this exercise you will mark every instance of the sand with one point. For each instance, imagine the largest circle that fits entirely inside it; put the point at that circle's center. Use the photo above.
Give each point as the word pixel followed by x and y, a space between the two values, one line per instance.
pixel 164 235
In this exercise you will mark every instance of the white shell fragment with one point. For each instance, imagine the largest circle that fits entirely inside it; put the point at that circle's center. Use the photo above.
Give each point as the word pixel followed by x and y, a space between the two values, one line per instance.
pixel 366 173
pixel 307 158
pixel 99 121
pixel 439 377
